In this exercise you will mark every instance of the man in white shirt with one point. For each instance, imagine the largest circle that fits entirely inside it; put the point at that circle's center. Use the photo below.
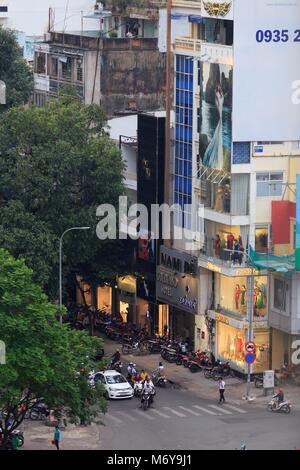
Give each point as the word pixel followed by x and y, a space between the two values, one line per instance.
pixel 221 390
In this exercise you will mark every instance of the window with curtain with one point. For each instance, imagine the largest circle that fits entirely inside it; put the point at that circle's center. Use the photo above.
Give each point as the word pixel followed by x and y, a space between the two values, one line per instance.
pixel 240 194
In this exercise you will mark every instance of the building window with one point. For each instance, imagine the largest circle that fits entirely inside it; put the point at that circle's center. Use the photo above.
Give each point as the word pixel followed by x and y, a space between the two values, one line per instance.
pixel 3 9
pixel 79 70
pixel 40 63
pixel 66 68
pixel 269 184
pixel 262 239
pixel 280 294
pixel 184 138
pixel 54 67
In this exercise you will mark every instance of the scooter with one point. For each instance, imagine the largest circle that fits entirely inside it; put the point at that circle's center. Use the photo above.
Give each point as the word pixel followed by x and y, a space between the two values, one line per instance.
pixel 146 400
pixel 159 380
pixel 283 407
pixel 138 389
pixel 195 366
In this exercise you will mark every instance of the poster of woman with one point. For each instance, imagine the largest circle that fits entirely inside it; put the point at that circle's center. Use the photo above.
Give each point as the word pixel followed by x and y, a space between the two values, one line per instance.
pixel 215 115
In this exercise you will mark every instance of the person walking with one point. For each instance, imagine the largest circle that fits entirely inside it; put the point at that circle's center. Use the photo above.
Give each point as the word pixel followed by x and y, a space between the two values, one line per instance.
pixel 221 390
pixel 57 437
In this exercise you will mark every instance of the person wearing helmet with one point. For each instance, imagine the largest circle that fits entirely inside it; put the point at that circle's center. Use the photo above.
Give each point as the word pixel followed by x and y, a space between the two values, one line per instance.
pixel 160 369
pixel 131 371
pixel 143 375
pixel 148 387
pixel 278 398
pixel 115 357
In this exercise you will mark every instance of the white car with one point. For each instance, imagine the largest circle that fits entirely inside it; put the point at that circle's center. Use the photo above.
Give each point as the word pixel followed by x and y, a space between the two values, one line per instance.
pixel 115 384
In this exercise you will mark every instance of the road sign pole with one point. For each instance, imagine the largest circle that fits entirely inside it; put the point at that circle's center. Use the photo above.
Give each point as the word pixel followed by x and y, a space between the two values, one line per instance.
pixel 250 305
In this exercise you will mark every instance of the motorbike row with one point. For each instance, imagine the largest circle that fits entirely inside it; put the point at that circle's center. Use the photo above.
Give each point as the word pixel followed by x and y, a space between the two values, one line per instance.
pixel 197 361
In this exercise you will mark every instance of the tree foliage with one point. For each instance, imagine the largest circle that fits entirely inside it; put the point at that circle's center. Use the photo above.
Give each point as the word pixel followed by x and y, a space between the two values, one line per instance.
pixel 14 71
pixel 43 357
pixel 57 164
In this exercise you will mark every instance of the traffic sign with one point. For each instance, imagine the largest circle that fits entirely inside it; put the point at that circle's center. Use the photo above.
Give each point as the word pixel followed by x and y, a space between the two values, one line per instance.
pixel 250 358
pixel 250 347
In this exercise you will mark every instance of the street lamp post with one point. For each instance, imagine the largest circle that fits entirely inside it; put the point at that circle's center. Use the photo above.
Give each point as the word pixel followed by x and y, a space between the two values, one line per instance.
pixel 60 266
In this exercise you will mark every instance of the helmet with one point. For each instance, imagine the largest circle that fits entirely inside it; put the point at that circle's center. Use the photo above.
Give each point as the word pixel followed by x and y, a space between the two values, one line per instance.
pixel 130 364
pixel 117 350
pixel 160 364
pixel 134 365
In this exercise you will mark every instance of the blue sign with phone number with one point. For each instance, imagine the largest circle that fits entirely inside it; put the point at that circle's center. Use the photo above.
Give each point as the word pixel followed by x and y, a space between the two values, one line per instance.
pixel 278 35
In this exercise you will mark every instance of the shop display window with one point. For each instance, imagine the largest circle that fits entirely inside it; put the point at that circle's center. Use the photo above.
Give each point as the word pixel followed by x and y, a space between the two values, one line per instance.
pixel 234 295
pixel 262 342
pixel 104 298
pixel 231 344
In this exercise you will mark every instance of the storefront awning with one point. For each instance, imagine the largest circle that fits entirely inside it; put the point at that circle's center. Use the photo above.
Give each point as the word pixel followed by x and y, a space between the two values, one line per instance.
pixel 280 264
pixel 127 284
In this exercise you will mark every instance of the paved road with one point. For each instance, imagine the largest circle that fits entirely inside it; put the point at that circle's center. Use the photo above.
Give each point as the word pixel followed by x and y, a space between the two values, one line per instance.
pixel 180 420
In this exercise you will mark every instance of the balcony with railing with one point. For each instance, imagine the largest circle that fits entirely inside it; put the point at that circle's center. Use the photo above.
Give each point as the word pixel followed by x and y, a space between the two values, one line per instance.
pixel 215 53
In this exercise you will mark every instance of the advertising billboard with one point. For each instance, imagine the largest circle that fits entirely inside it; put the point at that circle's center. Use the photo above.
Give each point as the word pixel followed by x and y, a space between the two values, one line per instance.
pixel 215 115
pixel 266 82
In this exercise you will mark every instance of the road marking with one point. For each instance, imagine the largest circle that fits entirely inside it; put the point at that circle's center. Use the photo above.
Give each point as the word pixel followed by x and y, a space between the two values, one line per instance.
pixel 220 409
pixel 235 408
pixel 117 420
pixel 189 411
pixel 143 414
pixel 181 415
pixel 204 409
pixel 160 413
pixel 126 415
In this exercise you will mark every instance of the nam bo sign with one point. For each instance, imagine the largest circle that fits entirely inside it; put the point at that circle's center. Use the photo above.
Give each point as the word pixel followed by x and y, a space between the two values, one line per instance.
pixel 176 282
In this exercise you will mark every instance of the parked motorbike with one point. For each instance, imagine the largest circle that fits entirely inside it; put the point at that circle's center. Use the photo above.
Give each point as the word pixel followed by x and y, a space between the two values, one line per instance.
pixel 283 407
pixel 194 366
pixel 131 348
pixel 259 381
pixel 9 443
pixel 223 370
pixel 39 412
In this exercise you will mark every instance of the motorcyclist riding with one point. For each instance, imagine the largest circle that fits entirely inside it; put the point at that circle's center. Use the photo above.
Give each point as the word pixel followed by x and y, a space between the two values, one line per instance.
pixel 131 371
pixel 115 357
pixel 278 398
pixel 148 387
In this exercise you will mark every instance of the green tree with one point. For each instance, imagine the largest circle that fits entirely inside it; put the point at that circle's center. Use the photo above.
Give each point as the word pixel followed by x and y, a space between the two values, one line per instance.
pixel 14 71
pixel 45 361
pixel 57 165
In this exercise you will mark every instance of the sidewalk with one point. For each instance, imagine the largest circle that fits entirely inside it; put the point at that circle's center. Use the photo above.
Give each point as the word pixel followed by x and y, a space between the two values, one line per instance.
pixel 199 385
pixel 38 436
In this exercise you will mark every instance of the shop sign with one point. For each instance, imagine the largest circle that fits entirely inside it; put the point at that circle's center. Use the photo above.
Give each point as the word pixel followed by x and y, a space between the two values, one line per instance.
pixel 178 261
pixel 177 290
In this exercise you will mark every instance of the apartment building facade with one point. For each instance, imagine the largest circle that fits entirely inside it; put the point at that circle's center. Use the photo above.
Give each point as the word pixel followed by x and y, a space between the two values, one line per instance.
pixel 243 186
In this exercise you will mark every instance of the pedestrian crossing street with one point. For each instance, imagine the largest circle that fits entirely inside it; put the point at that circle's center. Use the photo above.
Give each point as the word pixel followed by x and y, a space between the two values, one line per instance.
pixel 164 412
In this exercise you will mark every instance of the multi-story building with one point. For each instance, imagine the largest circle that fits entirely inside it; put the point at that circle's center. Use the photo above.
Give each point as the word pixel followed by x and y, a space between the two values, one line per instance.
pixel 119 67
pixel 3 13
pixel 243 186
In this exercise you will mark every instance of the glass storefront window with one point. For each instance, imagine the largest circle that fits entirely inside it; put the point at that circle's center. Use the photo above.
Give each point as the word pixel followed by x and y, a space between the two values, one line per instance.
pixel 104 298
pixel 262 341
pixel 231 345
pixel 233 295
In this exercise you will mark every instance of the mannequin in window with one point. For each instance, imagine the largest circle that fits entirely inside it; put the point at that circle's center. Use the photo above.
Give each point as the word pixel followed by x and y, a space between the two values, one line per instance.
pixel 237 296
pixel 243 297
pixel 217 246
